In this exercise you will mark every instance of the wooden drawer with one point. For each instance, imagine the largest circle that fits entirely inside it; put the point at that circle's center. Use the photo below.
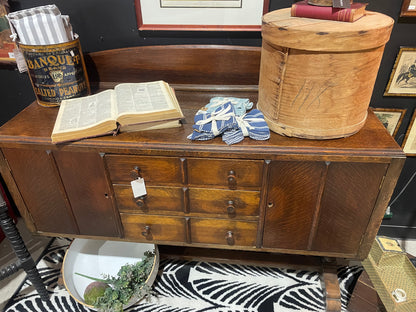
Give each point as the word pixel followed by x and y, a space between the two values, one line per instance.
pixel 153 228
pixel 233 174
pixel 223 232
pixel 231 203
pixel 154 170
pixel 158 199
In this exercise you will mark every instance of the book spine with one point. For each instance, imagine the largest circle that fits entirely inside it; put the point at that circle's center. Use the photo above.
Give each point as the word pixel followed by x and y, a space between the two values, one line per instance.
pixel 321 12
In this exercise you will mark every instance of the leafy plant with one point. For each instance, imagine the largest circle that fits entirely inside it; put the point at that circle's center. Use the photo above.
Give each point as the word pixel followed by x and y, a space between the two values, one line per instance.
pixel 129 282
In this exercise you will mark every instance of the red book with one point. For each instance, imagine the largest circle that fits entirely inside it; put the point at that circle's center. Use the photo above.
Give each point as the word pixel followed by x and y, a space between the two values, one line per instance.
pixel 303 9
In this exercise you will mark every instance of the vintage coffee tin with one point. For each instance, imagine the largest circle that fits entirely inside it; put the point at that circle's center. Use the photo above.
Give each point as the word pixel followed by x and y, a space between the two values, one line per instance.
pixel 57 71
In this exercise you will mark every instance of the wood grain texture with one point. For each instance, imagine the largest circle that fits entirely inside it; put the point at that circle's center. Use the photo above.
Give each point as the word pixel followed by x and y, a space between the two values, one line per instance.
pixel 350 187
pixel 316 77
pixel 371 31
pixel 40 188
pixel 161 229
pixel 233 204
pixel 88 192
pixel 287 197
pixel 291 202
pixel 159 200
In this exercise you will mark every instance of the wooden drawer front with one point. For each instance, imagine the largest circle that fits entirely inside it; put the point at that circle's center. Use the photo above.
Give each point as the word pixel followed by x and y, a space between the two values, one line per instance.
pixel 233 174
pixel 153 228
pixel 223 232
pixel 231 203
pixel 154 170
pixel 158 199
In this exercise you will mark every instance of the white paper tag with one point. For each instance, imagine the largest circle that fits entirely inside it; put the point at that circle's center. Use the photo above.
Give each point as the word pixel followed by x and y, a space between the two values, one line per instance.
pixel 138 187
pixel 20 60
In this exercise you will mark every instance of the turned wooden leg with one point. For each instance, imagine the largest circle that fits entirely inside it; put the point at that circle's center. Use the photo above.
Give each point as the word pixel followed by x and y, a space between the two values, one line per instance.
pixel 25 260
pixel 332 290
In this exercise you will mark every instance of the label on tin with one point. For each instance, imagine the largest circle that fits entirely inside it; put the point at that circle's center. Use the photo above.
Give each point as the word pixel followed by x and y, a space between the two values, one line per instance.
pixel 57 73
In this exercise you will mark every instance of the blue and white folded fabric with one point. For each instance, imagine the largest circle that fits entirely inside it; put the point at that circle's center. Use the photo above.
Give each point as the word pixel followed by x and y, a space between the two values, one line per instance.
pixel 209 125
pixel 241 106
pixel 252 125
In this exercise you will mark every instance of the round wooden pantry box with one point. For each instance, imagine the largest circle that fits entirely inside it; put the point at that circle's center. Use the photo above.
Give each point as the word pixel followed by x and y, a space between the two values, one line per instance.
pixel 317 76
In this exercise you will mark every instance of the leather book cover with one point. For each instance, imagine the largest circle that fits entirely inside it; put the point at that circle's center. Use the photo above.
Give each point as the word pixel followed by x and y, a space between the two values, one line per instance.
pixel 303 9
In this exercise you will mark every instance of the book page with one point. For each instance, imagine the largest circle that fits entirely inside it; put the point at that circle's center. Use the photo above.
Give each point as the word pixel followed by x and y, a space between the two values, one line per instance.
pixel 84 112
pixel 142 97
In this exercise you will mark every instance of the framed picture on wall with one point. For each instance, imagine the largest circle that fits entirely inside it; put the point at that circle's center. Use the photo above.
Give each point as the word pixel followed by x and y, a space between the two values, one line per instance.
pixel 402 80
pixel 212 15
pixel 408 8
pixel 391 118
pixel 409 143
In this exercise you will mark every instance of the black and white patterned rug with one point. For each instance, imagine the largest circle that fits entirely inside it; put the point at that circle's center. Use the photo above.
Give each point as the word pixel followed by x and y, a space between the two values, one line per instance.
pixel 191 286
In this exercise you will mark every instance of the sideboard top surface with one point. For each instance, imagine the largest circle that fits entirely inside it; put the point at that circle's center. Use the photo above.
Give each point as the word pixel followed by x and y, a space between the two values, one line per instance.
pixel 33 126
pixel 197 74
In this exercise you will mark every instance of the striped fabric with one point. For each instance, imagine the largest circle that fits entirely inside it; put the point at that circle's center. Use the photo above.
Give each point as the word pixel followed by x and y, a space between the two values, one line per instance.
pixel 40 26
pixel 251 125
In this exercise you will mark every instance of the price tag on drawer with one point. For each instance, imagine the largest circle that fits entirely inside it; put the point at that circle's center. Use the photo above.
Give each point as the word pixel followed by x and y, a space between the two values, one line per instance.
pixel 138 187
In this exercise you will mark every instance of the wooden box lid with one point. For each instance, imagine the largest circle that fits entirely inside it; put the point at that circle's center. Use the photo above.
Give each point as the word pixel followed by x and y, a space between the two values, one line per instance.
pixel 281 29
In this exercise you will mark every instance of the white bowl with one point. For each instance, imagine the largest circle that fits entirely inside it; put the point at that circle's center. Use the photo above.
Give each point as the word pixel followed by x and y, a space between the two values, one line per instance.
pixel 97 257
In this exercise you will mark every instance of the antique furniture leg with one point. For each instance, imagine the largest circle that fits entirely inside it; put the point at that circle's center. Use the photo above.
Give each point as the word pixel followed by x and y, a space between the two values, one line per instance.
pixel 331 286
pixel 25 260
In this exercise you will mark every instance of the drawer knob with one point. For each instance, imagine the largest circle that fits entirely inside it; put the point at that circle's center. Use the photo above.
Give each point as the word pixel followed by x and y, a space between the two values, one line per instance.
pixel 231 207
pixel 140 201
pixel 230 238
pixel 146 231
pixel 135 173
pixel 232 180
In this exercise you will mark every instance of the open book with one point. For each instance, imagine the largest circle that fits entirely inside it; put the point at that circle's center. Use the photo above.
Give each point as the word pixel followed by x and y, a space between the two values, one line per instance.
pixel 129 106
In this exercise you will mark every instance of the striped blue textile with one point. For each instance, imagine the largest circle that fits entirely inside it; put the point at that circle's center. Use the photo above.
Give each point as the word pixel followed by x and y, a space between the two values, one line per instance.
pixel 209 125
pixel 252 125
pixel 240 105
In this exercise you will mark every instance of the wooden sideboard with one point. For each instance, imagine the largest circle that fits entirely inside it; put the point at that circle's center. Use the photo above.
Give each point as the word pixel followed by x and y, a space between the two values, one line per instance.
pixel 285 195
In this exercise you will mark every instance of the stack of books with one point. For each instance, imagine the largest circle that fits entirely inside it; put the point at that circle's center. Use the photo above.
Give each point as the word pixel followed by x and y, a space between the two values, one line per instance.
pixel 345 11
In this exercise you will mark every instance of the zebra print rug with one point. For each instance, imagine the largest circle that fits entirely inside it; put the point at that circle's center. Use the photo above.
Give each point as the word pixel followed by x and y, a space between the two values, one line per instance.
pixel 190 286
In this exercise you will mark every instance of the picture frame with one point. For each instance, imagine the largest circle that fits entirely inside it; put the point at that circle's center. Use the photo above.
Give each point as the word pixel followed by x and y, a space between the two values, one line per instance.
pixel 202 15
pixel 6 44
pixel 408 8
pixel 409 142
pixel 402 80
pixel 391 118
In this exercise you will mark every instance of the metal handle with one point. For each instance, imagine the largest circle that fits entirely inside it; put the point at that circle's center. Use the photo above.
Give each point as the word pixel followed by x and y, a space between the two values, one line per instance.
pixel 230 207
pixel 135 173
pixel 229 237
pixel 140 201
pixel 232 180
pixel 146 231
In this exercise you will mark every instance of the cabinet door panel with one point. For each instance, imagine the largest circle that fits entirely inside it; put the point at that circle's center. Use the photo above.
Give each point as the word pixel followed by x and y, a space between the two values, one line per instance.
pixel 292 198
pixel 85 182
pixel 41 189
pixel 351 190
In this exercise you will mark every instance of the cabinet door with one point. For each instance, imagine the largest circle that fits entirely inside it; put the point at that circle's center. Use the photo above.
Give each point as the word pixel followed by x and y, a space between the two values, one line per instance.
pixel 88 191
pixel 41 190
pixel 351 190
pixel 294 187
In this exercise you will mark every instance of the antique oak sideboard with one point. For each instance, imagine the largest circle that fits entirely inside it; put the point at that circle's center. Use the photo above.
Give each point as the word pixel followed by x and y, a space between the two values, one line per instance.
pixel 285 195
